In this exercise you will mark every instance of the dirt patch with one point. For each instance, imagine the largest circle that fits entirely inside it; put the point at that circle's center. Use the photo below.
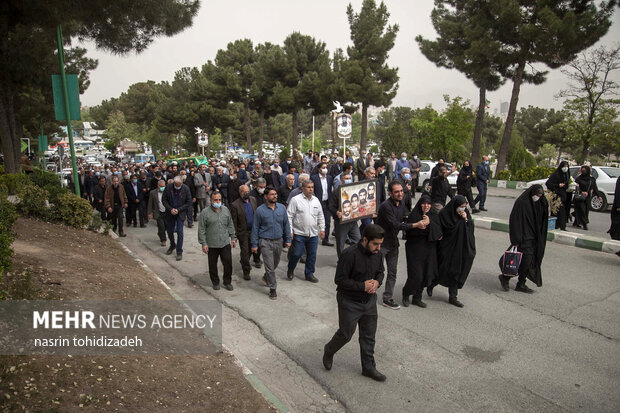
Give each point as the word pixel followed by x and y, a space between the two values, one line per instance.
pixel 56 262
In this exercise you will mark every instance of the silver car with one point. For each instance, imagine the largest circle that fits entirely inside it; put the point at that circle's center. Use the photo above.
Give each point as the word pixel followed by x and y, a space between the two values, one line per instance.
pixel 605 176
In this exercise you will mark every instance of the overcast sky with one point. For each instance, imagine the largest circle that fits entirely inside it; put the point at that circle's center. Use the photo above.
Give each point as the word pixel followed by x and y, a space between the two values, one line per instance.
pixel 219 22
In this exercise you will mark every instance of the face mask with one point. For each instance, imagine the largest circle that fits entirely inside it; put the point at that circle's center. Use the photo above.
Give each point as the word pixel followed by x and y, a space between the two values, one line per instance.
pixel 460 209
pixel 415 157
pixel 162 188
pixel 535 198
pixel 135 181
pixel 245 196
pixel 275 164
pixel 177 187
pixel 348 181
pixel 184 178
pixel 117 173
pixel 407 176
pixel 217 205
pixel 324 171
pixel 381 172
pixel 403 158
pixel 565 169
pixel 288 162
pixel 486 162
pixel 261 190
pixel 96 173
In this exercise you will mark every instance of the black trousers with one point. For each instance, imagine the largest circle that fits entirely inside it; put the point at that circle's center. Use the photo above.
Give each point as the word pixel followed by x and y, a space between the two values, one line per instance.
pixel 161 227
pixel 350 314
pixel 246 251
pixel 327 215
pixel 225 254
pixel 133 211
pixel 116 218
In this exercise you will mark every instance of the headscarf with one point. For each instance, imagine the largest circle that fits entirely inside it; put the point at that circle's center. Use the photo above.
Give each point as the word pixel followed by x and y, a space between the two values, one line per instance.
pixel 432 231
pixel 467 170
pixel 584 180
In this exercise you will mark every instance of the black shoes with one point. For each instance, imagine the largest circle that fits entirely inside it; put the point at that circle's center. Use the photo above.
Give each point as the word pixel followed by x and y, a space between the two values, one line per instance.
pixel 135 225
pixel 257 264
pixel 122 234
pixel 456 303
pixel 290 274
pixel 312 279
pixel 190 225
pixel 142 226
pixel 170 249
pixel 179 257
pixel 429 290
pixel 163 243
pixel 405 301
pixel 483 209
pixel 523 289
pixel 328 359
pixel 328 244
pixel 272 294
pixel 229 287
pixel 504 282
pixel 374 374
pixel 585 227
pixel 302 260
pixel 246 276
pixel 216 287
pixel 475 210
pixel 419 303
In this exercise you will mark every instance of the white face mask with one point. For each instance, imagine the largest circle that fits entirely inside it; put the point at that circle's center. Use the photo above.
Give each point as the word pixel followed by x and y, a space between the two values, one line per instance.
pixel 261 190
pixel 535 198
pixel 324 171
pixel 565 169
pixel 460 209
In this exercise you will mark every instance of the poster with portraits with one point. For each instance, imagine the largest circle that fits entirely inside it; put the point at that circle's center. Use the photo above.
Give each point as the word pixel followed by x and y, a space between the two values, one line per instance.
pixel 358 200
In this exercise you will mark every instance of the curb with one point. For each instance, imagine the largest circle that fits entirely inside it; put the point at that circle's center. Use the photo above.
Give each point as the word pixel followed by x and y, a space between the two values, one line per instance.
pixel 560 237
pixel 507 184
pixel 258 385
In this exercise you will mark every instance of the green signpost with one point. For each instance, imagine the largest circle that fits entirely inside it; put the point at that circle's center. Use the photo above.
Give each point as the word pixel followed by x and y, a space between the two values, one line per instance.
pixel 70 107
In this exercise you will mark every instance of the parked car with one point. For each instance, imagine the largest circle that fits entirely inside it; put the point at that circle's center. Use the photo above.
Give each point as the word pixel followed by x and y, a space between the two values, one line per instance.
pixel 605 176
pixel 425 174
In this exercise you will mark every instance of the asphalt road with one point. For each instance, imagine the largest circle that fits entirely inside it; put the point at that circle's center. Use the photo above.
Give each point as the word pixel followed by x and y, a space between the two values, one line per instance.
pixel 500 205
pixel 555 350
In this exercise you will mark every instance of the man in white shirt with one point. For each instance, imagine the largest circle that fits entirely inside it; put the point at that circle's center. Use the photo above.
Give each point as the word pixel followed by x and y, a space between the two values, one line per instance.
pixel 305 215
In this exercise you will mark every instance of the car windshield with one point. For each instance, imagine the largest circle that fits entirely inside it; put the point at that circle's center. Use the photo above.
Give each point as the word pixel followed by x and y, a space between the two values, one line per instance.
pixel 612 172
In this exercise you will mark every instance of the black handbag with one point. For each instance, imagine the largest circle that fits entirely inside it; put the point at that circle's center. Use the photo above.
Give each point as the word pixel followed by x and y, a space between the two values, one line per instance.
pixel 579 196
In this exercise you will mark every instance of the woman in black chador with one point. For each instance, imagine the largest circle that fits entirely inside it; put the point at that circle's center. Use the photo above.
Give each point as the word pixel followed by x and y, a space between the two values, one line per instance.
pixel 586 184
pixel 457 248
pixel 421 248
pixel 558 184
pixel 528 232
pixel 614 229
pixel 465 182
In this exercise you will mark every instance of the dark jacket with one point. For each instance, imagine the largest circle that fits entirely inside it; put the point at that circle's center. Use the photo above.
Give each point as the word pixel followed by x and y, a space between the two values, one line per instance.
pixel 153 204
pixel 318 188
pixel 483 172
pixel 355 266
pixel 184 201
pixel 108 200
pixel 440 189
pixel 220 183
pixel 237 211
pixel 131 195
pixel 99 196
pixel 391 218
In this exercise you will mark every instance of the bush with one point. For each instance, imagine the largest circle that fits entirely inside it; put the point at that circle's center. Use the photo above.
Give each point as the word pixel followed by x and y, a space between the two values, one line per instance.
pixel 55 191
pixel 531 174
pixel 32 201
pixel 8 216
pixel 43 178
pixel 14 182
pixel 503 175
pixel 96 224
pixel 73 210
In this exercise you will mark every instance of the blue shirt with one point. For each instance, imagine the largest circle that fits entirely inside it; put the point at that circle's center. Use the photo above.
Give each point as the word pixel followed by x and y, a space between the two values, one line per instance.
pixel 249 213
pixel 270 224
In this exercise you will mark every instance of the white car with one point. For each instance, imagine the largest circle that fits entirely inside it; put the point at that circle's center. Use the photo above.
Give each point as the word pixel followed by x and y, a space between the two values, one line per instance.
pixel 605 176
pixel 424 179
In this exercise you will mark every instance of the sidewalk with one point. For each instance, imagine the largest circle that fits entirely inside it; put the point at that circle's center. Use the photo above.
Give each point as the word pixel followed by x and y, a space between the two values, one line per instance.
pixel 561 237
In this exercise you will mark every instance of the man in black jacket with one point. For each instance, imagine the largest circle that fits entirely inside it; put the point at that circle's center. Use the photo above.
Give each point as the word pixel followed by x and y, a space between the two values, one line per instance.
pixel 136 199
pixel 440 189
pixel 358 275
pixel 177 200
pixel 392 215
pixel 99 196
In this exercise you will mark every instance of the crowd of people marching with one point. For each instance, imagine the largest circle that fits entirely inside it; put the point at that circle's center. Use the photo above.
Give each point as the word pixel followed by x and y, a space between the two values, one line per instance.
pixel 268 206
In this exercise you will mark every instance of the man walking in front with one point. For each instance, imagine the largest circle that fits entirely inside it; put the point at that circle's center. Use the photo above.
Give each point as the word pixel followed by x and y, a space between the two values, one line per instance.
pixel 305 215
pixel 269 230
pixel 216 233
pixel 391 217
pixel 177 200
pixel 242 211
pixel 483 175
pixel 114 202
pixel 358 275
